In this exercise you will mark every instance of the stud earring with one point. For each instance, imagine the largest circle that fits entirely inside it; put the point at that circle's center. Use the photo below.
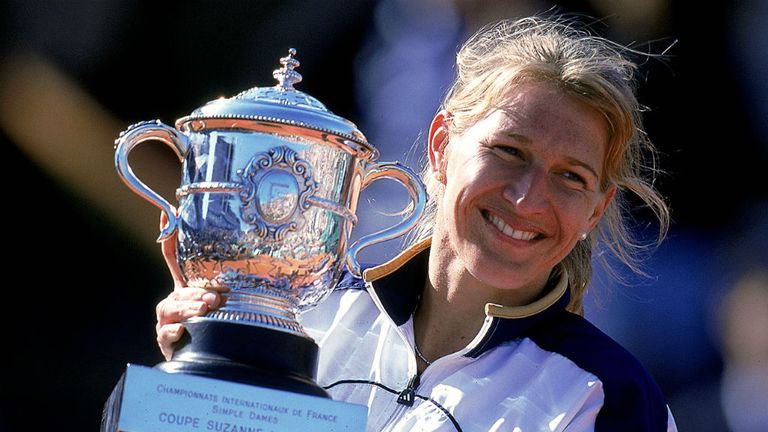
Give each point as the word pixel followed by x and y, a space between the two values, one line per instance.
pixel 583 236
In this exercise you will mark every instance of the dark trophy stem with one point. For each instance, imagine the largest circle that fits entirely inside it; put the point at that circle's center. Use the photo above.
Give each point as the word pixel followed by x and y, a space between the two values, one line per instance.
pixel 247 354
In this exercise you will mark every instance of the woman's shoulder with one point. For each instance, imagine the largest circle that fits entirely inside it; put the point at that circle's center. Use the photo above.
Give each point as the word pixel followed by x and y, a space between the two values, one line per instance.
pixel 630 390
pixel 577 338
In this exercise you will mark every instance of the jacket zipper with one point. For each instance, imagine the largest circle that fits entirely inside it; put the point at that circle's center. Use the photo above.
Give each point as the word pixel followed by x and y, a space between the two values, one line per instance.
pixel 408 395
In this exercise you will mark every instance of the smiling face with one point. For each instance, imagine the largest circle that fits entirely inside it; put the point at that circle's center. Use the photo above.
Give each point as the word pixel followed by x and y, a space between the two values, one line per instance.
pixel 521 187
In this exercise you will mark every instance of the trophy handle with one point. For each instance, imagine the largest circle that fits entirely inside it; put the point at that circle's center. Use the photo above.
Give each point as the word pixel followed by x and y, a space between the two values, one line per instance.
pixel 406 177
pixel 130 138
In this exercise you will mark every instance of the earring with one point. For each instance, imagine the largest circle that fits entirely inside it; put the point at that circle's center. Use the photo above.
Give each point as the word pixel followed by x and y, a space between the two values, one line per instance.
pixel 583 236
pixel 439 176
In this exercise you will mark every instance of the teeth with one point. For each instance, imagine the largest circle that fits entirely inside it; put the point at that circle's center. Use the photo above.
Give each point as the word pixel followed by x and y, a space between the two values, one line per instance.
pixel 508 230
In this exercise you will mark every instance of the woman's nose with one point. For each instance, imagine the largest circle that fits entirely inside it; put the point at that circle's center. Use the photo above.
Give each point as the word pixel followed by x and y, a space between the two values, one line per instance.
pixel 526 192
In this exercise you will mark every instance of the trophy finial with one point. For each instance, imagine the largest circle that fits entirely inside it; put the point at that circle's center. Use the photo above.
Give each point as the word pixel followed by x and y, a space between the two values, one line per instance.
pixel 287 77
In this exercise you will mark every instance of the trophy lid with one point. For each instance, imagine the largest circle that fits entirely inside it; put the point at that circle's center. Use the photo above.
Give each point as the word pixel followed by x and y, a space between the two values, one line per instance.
pixel 281 104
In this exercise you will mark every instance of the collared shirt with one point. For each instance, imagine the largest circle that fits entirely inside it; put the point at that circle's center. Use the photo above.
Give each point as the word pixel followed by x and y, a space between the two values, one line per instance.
pixel 532 368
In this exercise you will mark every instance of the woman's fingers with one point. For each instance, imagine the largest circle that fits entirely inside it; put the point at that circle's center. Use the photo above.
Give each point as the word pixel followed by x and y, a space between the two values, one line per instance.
pixel 167 335
pixel 185 303
pixel 181 304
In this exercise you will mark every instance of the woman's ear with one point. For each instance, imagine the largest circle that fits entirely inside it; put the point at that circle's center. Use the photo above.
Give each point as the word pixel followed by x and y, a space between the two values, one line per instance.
pixel 437 145
pixel 601 207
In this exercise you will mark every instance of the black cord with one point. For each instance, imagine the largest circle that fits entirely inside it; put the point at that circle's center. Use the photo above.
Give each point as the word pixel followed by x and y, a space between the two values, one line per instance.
pixel 382 386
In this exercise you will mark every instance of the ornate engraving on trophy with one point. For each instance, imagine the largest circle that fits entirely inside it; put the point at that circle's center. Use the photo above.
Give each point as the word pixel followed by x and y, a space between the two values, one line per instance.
pixel 276 183
pixel 277 196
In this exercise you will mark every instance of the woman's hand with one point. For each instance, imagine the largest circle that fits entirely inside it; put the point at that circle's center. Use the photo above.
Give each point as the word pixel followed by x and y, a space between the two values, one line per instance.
pixel 184 302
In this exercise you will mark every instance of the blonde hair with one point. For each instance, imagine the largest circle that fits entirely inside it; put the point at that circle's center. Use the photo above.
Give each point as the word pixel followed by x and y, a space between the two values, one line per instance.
pixel 594 70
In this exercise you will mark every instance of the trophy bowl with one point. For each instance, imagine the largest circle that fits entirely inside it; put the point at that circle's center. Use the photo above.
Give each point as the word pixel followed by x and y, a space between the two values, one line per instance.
pixel 269 187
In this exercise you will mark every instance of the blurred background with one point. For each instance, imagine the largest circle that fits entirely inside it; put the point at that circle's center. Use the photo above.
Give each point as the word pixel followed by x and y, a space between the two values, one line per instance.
pixel 74 74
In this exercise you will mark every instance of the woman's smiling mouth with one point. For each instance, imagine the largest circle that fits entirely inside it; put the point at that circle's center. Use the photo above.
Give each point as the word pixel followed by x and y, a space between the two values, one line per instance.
pixel 508 230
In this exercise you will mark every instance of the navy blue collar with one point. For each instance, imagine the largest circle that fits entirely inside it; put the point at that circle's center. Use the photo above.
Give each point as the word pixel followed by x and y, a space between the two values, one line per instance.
pixel 399 293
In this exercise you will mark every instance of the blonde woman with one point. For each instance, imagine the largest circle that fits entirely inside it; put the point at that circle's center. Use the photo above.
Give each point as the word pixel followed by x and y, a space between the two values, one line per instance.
pixel 477 325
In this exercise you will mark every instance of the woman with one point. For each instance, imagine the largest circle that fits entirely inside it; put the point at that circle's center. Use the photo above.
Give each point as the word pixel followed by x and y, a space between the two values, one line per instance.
pixel 477 325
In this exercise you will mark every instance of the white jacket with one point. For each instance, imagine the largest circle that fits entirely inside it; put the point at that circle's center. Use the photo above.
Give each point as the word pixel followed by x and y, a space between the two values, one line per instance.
pixel 531 368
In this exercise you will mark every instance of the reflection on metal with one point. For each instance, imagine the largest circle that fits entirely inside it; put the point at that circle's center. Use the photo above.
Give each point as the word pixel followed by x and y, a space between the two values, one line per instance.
pixel 269 186
pixel 277 182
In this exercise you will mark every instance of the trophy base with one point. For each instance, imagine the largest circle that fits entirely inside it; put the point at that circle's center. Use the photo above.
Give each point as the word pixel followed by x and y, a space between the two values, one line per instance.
pixel 149 400
pixel 246 354
pixel 226 376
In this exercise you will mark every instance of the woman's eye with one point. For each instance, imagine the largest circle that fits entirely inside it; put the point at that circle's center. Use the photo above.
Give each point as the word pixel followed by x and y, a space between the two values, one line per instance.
pixel 572 176
pixel 513 151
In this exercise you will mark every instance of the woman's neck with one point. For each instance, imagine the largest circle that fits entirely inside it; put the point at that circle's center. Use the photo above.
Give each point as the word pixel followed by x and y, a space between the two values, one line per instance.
pixel 451 311
pixel 452 308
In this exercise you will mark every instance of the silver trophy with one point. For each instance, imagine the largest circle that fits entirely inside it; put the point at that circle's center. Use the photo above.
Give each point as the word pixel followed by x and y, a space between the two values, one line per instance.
pixel 269 188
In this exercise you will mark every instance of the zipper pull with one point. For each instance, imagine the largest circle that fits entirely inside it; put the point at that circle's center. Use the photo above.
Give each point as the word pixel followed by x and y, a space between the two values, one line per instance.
pixel 408 396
